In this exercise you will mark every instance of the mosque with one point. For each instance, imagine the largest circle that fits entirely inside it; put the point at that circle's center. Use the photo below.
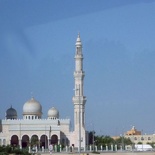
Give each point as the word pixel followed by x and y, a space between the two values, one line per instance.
pixel 52 130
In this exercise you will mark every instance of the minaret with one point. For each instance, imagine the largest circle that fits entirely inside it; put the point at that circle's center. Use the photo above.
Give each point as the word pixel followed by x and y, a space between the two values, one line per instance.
pixel 79 99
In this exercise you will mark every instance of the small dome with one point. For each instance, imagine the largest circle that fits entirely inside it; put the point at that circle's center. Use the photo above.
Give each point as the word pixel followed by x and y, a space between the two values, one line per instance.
pixel 53 113
pixel 32 107
pixel 11 113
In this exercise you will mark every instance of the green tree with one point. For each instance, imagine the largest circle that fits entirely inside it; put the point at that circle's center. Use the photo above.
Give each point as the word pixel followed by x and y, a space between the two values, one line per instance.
pixel 103 140
pixel 107 140
pixel 122 141
pixel 34 141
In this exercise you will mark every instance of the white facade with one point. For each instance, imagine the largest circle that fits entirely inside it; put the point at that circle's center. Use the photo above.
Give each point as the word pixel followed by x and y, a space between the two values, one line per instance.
pixel 144 139
pixel 53 130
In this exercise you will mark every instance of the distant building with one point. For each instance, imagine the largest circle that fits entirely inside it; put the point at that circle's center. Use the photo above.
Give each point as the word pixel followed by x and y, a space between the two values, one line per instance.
pixel 52 130
pixel 133 131
pixel 137 137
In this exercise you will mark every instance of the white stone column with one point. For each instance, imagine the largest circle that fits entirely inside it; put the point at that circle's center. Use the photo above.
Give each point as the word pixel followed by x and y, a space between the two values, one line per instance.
pixel 84 148
pixel 95 148
pixel 20 144
pixel 112 148
pixel 55 148
pixel 78 148
pixel 43 150
pixel 106 148
pixel 72 148
pixel 66 148
pixel 90 148
pixel 60 148
pixel 29 149
pixel 58 141
pixel 101 148
pixel 38 144
pixel 115 147
pixel 121 148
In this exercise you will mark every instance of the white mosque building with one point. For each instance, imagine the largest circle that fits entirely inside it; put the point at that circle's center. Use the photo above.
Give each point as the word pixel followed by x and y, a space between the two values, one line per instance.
pixel 52 130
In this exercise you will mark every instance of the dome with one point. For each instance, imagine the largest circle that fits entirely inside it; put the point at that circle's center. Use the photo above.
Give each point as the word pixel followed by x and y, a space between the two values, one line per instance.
pixel 11 113
pixel 32 107
pixel 53 113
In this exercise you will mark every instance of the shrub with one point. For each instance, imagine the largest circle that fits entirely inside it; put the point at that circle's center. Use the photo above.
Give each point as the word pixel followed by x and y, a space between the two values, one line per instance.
pixel 3 153
pixel 95 152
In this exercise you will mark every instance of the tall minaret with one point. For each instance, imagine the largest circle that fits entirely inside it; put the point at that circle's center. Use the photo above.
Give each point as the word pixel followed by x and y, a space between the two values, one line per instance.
pixel 79 99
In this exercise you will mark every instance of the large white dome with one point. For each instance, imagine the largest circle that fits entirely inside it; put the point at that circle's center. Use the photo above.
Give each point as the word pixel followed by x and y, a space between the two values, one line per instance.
pixel 32 107
pixel 53 113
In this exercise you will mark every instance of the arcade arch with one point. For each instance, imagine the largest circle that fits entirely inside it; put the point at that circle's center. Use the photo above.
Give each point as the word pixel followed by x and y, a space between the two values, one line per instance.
pixel 25 141
pixel 54 139
pixel 35 140
pixel 14 140
pixel 44 141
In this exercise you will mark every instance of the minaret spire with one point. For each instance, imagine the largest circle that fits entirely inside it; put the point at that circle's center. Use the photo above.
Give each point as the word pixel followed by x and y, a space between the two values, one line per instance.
pixel 79 99
pixel 78 38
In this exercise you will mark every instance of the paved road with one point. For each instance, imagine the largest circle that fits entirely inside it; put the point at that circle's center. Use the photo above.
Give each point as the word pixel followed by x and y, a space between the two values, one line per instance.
pixel 104 153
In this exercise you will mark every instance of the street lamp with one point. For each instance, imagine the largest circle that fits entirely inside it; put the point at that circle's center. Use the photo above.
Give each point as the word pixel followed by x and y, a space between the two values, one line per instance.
pixel 50 135
pixel 93 136
pixel 93 139
pixel 142 139
pixel 122 141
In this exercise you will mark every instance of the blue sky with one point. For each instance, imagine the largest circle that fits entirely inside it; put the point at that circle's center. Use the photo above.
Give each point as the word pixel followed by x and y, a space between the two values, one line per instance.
pixel 37 47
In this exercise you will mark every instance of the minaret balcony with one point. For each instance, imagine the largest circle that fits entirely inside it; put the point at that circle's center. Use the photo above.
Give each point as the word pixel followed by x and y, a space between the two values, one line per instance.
pixel 79 73
pixel 82 99
pixel 78 56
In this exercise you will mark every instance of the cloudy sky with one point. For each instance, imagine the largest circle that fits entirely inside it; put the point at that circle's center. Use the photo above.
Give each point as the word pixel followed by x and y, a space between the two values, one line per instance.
pixel 37 47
